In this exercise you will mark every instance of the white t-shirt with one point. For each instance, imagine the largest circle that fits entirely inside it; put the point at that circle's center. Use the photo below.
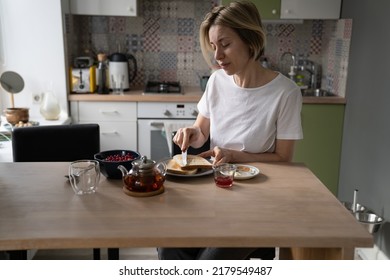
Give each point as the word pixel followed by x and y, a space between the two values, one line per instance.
pixel 251 119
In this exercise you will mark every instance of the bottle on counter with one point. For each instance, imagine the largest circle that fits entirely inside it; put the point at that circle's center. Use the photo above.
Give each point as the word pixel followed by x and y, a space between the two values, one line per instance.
pixel 50 108
pixel 102 75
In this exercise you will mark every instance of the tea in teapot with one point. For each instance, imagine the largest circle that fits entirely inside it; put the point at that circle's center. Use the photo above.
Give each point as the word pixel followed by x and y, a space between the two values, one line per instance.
pixel 146 178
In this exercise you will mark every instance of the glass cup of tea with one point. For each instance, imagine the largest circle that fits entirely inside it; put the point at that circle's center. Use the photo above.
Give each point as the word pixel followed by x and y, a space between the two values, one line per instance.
pixel 224 175
pixel 84 176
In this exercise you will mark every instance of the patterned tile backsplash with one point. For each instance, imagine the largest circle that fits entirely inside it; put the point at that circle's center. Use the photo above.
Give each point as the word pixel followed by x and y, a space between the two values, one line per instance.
pixel 165 41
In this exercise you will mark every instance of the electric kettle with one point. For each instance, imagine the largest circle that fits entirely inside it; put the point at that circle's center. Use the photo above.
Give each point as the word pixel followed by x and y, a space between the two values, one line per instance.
pixel 120 67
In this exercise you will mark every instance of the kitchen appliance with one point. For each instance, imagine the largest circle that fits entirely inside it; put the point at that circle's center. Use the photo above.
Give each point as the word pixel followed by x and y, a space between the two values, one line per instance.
pixel 83 62
pixel 83 75
pixel 162 87
pixel 156 122
pixel 83 80
pixel 120 68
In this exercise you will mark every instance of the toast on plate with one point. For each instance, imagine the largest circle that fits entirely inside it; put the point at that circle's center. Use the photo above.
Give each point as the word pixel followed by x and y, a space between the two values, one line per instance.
pixel 174 168
pixel 193 162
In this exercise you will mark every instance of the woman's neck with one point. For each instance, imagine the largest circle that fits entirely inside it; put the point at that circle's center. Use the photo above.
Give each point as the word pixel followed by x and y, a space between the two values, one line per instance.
pixel 254 76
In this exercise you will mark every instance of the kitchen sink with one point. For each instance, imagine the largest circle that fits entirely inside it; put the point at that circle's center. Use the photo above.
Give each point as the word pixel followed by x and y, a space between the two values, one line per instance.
pixel 317 93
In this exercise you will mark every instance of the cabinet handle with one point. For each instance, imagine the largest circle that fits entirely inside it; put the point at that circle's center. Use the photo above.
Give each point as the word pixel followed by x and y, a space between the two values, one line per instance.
pixel 274 12
pixel 109 132
pixel 109 112
pixel 156 124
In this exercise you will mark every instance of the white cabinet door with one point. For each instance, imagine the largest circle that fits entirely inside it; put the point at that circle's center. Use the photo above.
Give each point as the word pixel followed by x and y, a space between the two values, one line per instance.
pixel 107 111
pixel 104 7
pixel 310 9
pixel 117 135
pixel 117 121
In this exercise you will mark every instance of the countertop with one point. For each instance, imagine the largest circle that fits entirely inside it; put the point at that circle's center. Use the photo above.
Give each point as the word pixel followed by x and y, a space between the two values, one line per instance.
pixel 190 94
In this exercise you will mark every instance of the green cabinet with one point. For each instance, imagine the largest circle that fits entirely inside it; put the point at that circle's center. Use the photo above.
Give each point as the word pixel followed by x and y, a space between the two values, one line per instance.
pixel 320 148
pixel 296 9
pixel 269 9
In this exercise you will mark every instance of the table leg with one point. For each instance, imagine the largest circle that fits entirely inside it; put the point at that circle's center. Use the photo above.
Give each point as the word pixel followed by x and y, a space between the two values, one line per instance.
pixel 316 253
pixel 96 253
pixel 113 253
pixel 17 255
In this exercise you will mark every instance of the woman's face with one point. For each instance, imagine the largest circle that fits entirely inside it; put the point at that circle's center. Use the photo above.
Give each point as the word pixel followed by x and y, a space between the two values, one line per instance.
pixel 231 53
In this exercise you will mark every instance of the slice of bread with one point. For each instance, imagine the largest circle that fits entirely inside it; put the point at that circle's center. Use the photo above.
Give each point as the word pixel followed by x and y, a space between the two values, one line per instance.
pixel 193 162
pixel 174 167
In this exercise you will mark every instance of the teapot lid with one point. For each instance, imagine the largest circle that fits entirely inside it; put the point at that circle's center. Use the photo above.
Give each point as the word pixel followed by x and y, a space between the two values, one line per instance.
pixel 144 163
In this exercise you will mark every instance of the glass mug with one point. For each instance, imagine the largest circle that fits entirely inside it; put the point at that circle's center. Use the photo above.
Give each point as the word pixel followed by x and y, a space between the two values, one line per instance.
pixel 84 176
pixel 224 175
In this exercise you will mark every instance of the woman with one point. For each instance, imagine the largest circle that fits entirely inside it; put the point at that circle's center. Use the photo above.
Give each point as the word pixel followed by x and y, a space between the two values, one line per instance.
pixel 251 113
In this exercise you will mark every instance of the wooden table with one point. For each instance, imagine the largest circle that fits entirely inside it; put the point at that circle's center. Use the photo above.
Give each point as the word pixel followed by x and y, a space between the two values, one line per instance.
pixel 285 206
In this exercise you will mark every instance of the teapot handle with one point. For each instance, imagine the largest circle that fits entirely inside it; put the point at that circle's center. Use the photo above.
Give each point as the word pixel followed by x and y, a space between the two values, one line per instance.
pixel 162 167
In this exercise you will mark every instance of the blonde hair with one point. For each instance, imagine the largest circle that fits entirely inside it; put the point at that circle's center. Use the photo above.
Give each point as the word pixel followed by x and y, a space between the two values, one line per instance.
pixel 241 16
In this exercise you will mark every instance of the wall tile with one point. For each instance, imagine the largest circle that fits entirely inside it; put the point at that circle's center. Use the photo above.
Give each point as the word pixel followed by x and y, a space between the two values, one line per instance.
pixel 164 38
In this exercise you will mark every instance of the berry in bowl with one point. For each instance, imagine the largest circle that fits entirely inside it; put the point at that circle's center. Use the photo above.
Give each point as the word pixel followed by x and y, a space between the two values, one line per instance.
pixel 110 160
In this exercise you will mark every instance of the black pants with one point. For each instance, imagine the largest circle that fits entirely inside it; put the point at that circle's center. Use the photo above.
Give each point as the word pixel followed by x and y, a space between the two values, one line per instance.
pixel 215 253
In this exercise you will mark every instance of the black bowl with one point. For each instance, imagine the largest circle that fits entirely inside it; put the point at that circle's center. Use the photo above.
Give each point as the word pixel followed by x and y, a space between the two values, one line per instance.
pixel 109 168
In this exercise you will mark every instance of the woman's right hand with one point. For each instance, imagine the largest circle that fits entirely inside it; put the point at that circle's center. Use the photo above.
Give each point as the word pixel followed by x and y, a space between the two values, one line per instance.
pixel 194 136
pixel 185 136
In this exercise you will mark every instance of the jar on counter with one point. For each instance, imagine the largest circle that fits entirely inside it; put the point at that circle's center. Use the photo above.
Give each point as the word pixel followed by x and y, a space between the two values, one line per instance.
pixel 102 75
pixel 300 80
pixel 50 107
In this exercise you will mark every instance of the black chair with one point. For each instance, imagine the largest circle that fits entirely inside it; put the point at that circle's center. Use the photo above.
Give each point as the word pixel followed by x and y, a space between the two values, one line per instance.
pixel 57 143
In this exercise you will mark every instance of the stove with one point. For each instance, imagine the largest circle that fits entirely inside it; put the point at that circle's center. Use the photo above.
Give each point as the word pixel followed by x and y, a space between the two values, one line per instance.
pixel 162 87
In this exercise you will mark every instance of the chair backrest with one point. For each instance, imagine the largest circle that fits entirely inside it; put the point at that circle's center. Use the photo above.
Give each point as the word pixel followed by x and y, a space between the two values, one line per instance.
pixel 55 142
pixel 191 151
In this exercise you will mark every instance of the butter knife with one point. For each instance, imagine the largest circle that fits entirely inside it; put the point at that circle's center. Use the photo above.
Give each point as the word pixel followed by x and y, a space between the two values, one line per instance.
pixel 184 157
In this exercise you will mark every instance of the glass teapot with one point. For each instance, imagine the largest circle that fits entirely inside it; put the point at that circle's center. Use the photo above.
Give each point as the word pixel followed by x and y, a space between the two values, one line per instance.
pixel 145 176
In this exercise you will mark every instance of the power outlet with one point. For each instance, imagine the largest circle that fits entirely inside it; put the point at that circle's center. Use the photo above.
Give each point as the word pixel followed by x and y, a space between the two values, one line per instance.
pixel 36 98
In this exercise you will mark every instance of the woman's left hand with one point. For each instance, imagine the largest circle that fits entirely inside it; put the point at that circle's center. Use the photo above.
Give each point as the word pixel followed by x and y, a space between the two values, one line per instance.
pixel 283 153
pixel 220 155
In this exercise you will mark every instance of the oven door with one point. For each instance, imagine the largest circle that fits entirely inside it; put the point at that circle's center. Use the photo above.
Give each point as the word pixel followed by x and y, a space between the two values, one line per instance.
pixel 152 140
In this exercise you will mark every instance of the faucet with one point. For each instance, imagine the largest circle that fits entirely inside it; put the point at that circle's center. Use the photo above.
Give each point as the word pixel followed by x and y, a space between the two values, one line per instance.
pixel 304 65
pixel 312 68
pixel 293 67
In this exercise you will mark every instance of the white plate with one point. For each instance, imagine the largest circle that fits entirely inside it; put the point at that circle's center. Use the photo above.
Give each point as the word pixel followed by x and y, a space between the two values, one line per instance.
pixel 201 172
pixel 245 172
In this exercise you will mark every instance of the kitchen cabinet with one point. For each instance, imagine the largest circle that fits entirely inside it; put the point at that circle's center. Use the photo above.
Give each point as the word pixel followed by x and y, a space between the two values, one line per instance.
pixel 269 9
pixel 117 121
pixel 320 148
pixel 310 9
pixel 296 9
pixel 104 7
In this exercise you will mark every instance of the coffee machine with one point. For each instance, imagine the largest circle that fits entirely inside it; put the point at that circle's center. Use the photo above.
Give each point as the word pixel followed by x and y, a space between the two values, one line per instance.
pixel 123 69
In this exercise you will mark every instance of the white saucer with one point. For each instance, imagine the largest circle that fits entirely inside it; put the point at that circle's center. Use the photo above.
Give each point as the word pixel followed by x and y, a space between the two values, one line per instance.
pixel 245 172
